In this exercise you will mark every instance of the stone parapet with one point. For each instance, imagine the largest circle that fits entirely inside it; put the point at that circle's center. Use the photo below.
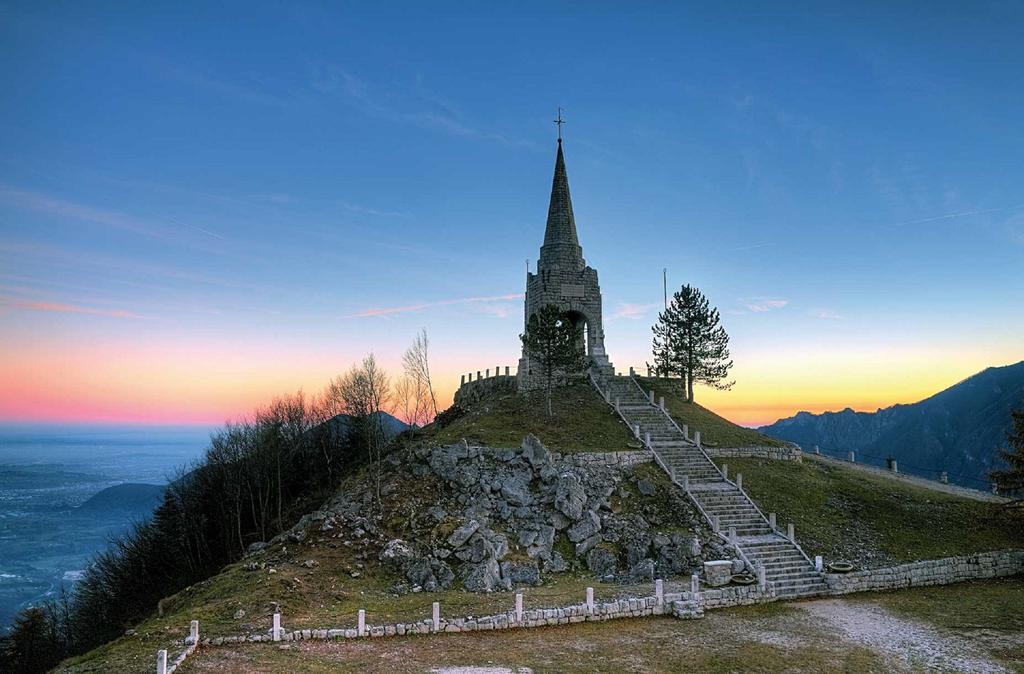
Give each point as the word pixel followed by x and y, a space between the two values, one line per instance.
pixel 787 453
pixel 929 572
pixel 475 390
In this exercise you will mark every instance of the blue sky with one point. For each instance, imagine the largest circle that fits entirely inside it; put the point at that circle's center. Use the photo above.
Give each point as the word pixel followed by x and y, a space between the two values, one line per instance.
pixel 198 201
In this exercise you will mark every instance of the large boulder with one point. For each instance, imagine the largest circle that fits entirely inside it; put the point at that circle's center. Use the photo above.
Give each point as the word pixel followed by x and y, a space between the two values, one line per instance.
pixel 570 496
pixel 521 573
pixel 535 452
pixel 459 537
pixel 396 553
pixel 587 526
pixel 484 577
pixel 515 490
pixel 602 562
pixel 429 574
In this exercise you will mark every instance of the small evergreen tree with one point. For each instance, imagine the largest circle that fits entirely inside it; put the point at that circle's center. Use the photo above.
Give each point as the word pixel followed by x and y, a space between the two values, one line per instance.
pixel 1010 481
pixel 689 341
pixel 552 343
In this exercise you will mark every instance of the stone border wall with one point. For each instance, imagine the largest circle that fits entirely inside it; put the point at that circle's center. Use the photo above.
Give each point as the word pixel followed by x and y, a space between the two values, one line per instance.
pixel 787 453
pixel 929 572
pixel 623 459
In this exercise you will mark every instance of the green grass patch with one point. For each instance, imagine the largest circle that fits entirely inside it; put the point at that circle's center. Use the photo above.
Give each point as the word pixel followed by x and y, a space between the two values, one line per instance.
pixel 843 513
pixel 582 422
pixel 715 431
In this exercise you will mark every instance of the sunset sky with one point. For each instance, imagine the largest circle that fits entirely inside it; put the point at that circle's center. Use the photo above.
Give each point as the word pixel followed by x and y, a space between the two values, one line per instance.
pixel 204 206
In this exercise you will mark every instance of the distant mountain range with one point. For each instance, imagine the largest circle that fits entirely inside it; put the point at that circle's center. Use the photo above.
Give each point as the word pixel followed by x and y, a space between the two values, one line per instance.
pixel 958 430
pixel 129 497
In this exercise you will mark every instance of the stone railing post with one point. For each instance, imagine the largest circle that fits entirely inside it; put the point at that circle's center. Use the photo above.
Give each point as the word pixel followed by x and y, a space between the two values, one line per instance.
pixel 463 381
pixel 661 403
pixel 361 623
pixel 696 438
pixel 851 456
pixel 695 585
pixel 616 404
pixel 478 375
pixel 487 373
pixel 436 615
pixel 686 431
pixel 519 607
pixel 650 396
pixel 771 521
pixel 818 563
pixel 276 635
pixel 590 600
pixel 659 591
pixel 791 532
pixel 631 372
pixel 895 466
pixel 716 523
pixel 732 534
pixel 944 477
pixel 762 576
pixel 686 481
pixel 725 471
pixel 647 440
pixel 739 481
pixel 506 371
pixel 193 632
pixel 161 662
pixel 817 450
pixel 636 431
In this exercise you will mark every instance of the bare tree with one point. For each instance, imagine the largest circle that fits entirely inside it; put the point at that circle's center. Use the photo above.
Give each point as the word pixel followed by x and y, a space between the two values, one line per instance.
pixel 416 363
pixel 363 393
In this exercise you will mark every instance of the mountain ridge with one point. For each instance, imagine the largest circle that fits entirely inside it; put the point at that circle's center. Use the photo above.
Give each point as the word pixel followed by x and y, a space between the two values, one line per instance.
pixel 958 429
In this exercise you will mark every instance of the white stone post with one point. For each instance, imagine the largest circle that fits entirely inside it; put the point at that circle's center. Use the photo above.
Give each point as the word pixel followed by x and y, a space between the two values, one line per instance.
pixel 791 532
pixel 361 624
pixel 437 615
pixel 686 431
pixel 732 534
pixel 818 564
pixel 659 591
pixel 193 632
pixel 650 396
pixel 716 522
pixel 725 471
pixel 944 477
pixel 616 403
pixel 661 403
pixel 519 607
pixel 607 395
pixel 817 450
pixel 647 439
pixel 895 466
pixel 694 583
pixel 739 480
pixel 161 662
pixel 277 627
pixel 696 438
pixel 686 482
pixel 590 600
pixel 851 456
pixel 771 521
pixel 762 576
pixel 636 431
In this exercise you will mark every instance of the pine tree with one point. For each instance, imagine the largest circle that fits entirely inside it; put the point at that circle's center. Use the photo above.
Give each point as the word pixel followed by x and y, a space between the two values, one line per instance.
pixel 1010 481
pixel 689 341
pixel 552 343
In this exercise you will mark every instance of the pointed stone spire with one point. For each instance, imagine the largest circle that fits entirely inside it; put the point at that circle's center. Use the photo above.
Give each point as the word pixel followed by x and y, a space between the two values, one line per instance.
pixel 561 244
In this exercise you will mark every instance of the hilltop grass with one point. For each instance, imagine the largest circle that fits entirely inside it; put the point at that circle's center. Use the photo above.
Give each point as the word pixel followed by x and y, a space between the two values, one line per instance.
pixel 582 422
pixel 715 431
pixel 842 513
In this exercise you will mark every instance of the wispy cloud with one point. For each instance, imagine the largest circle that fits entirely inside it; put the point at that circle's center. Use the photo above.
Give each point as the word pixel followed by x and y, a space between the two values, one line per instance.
pixel 61 308
pixel 951 216
pixel 760 305
pixel 411 105
pixel 826 314
pixel 409 308
pixel 631 311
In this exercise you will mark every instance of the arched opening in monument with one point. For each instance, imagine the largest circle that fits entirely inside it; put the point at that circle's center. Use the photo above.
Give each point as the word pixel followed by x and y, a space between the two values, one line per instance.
pixel 579 320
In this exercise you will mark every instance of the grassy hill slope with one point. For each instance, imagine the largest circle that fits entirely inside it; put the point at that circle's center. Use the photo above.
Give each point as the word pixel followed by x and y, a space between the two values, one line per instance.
pixel 582 422
pixel 844 513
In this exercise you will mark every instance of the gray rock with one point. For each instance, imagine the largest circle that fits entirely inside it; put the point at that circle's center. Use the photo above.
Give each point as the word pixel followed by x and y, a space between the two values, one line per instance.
pixel 463 533
pixel 521 573
pixel 396 553
pixel 589 525
pixel 429 574
pixel 555 563
pixel 641 572
pixel 535 452
pixel 602 562
pixel 570 496
pixel 646 487
pixel 516 492
pixel 484 577
pixel 255 547
pixel 585 546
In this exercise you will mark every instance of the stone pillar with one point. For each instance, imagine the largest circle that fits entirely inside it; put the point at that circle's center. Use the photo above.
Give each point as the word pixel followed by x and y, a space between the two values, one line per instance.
pixel 851 456
pixel 463 382
pixel 647 439
pixel 471 377
pixel 436 615
pixel 944 477
pixel 519 607
pixel 694 583
pixel 193 632
pixel 478 375
pixel 696 438
pixel 686 482
pixel 506 370
pixel 616 403
pixel 771 521
pixel 487 373
pixel 590 600
pixel 661 403
pixel 817 450
pixel 631 372
pixel 716 522
pixel 762 576
pixel 636 431
pixel 659 591
pixel 361 624
pixel 791 532
pixel 739 481
pixel 895 466
pixel 650 396
pixel 732 534
pixel 686 431
pixel 161 662
pixel 818 564
pixel 725 471
pixel 276 635
pixel 648 371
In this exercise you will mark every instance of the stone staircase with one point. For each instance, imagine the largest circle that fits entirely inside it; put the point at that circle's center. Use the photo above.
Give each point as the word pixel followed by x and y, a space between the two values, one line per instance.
pixel 726 506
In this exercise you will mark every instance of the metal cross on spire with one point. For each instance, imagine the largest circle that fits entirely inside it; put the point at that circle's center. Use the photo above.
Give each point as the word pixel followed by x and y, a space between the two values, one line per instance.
pixel 559 122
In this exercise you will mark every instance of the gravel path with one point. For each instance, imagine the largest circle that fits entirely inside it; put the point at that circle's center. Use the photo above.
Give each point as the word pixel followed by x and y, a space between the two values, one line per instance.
pixel 916 645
